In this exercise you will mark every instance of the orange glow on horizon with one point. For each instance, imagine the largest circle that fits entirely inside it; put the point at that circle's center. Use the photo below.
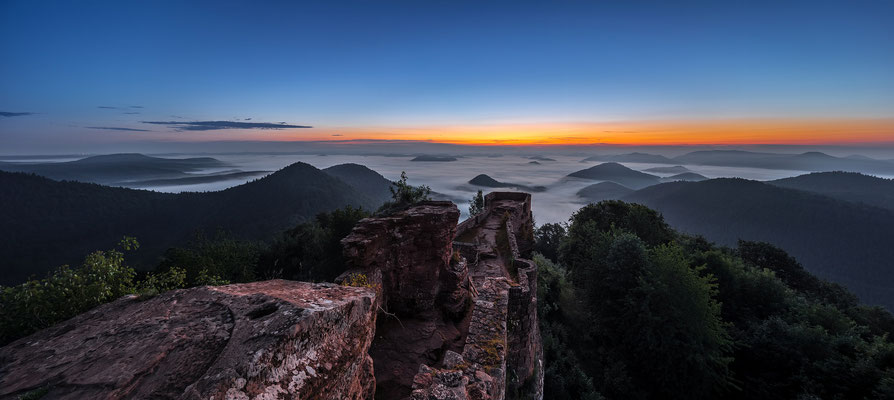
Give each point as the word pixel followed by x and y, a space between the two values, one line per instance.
pixel 633 133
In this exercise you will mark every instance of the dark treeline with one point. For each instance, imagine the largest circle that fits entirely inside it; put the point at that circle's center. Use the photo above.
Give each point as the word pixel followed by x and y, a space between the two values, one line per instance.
pixel 631 309
pixel 308 251
pixel 47 223
pixel 844 241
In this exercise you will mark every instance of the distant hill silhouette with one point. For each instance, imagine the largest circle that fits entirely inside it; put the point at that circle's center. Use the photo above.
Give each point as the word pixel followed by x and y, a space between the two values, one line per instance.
pixel 632 157
pixel 604 191
pixel 117 169
pixel 367 181
pixel 48 223
pixel 617 173
pixel 845 242
pixel 486 181
pixel 677 169
pixel 686 176
pixel 193 180
pixel 434 158
pixel 850 186
pixel 809 161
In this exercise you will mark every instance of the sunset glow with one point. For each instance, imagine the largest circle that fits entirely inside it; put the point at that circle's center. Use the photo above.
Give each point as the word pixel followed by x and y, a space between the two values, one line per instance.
pixel 718 132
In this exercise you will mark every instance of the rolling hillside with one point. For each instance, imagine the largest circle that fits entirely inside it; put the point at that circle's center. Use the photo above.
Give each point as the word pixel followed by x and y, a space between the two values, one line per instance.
pixel 49 223
pixel 617 173
pixel 845 242
pixel 850 186
pixel 117 169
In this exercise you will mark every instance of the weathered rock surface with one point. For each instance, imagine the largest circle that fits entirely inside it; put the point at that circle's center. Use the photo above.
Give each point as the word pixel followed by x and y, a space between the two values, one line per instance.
pixel 412 249
pixel 460 317
pixel 264 340
pixel 408 257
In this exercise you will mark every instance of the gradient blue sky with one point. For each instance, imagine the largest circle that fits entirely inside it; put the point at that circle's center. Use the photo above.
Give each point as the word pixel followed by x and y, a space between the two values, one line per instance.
pixel 376 66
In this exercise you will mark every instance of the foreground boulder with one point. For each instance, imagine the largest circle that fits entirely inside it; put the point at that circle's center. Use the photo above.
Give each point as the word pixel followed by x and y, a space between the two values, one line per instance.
pixel 272 340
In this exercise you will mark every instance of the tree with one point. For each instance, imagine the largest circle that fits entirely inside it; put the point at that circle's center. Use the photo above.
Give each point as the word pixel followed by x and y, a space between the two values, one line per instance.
pixel 674 335
pixel 476 205
pixel 404 195
pixel 222 256
pixel 312 250
pixel 547 239
pixel 634 218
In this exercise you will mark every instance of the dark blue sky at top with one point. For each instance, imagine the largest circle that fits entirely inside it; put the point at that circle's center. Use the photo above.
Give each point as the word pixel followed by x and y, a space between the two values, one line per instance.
pixel 418 63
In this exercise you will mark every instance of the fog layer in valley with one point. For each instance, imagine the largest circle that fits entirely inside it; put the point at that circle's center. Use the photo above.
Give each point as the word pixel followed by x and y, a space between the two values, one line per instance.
pixel 450 178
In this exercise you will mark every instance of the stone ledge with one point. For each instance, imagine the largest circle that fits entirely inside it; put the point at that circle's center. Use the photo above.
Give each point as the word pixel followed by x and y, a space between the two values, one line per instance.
pixel 274 339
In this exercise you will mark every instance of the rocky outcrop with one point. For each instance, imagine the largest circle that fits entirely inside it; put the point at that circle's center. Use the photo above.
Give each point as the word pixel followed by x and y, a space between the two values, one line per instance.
pixel 407 256
pixel 412 251
pixel 264 340
pixel 431 310
pixel 460 316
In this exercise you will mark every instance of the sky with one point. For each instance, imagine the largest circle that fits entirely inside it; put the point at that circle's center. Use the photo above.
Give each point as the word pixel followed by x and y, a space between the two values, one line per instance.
pixel 80 75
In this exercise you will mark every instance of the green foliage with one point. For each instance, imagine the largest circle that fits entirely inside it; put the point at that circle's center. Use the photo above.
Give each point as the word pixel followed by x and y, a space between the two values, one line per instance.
pixel 643 312
pixel 673 329
pixel 547 239
pixel 311 251
pixel 67 292
pixel 155 283
pixel 476 204
pixel 219 258
pixel 35 394
pixel 634 218
pixel 849 242
pixel 564 378
pixel 404 195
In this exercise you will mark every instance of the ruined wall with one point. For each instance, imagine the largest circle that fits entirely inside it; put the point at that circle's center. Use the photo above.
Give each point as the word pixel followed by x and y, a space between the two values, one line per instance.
pixel 412 251
pixel 484 301
pixel 272 340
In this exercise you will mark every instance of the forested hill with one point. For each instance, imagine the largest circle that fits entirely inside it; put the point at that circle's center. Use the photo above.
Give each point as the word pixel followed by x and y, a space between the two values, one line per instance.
pixel 48 223
pixel 850 186
pixel 370 182
pixel 117 169
pixel 847 242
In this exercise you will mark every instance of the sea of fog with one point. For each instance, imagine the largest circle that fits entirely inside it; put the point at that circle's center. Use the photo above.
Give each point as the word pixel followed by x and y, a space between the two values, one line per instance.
pixel 451 179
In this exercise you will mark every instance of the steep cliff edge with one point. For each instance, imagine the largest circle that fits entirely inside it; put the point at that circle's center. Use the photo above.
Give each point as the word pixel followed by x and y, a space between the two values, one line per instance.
pixel 273 340
pixel 458 311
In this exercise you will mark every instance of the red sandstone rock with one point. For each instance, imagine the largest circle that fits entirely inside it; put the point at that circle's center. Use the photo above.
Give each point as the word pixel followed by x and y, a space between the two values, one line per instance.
pixel 271 340
pixel 412 249
pixel 466 323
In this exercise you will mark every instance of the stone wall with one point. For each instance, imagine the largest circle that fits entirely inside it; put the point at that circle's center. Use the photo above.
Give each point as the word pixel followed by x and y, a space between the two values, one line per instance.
pixel 411 249
pixel 498 355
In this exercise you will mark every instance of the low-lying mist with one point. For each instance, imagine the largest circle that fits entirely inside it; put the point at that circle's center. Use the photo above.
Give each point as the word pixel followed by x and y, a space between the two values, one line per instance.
pixel 450 179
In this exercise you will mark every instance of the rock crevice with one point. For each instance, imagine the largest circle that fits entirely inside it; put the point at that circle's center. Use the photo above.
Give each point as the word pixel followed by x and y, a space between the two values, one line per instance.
pixel 463 297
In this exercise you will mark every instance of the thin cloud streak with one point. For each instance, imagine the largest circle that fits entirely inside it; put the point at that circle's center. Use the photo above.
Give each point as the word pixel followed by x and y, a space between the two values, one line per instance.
pixel 220 125
pixel 115 128
pixel 9 114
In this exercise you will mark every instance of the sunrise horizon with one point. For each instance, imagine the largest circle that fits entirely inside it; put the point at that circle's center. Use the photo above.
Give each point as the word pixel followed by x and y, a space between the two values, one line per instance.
pixel 491 74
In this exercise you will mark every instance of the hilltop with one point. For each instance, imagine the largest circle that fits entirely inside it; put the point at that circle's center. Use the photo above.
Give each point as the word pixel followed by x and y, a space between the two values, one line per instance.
pixel 633 158
pixel 850 186
pixel 486 181
pixel 604 191
pixel 617 173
